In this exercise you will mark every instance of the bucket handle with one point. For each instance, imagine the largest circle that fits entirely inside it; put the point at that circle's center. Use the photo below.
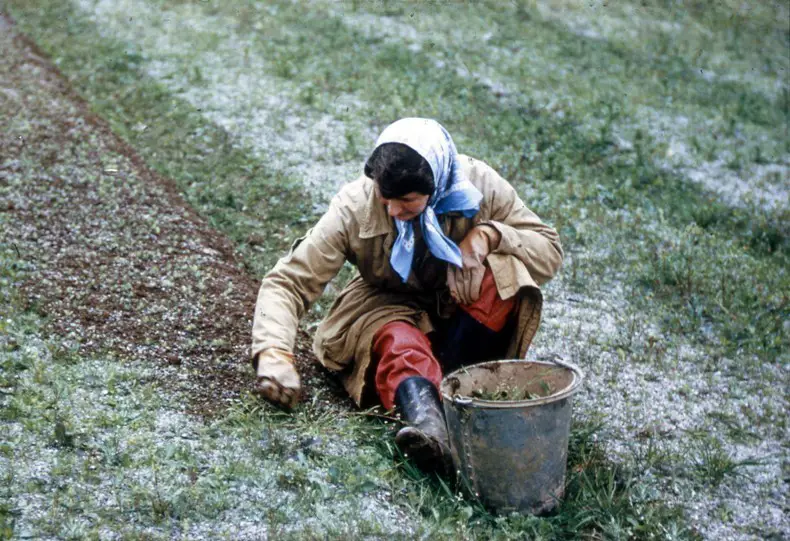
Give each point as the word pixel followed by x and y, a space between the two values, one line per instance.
pixel 555 358
pixel 559 360
pixel 460 400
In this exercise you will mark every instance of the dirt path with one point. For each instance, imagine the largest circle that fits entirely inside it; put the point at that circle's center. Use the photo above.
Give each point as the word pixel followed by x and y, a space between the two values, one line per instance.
pixel 119 263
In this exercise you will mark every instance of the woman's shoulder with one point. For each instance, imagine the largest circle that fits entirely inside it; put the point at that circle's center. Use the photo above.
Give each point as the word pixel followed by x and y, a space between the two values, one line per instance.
pixel 484 177
pixel 355 205
pixel 358 208
pixel 356 194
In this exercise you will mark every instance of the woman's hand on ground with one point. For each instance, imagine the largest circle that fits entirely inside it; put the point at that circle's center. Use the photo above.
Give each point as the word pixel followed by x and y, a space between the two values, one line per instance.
pixel 465 282
pixel 278 381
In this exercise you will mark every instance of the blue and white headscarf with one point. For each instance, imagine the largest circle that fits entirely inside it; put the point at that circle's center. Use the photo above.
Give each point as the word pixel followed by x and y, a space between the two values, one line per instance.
pixel 451 193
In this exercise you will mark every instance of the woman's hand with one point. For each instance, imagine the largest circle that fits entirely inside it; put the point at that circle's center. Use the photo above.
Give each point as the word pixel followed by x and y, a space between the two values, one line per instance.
pixel 278 380
pixel 464 282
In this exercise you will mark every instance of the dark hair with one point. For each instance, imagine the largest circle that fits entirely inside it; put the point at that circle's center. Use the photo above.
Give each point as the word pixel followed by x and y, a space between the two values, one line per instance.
pixel 398 170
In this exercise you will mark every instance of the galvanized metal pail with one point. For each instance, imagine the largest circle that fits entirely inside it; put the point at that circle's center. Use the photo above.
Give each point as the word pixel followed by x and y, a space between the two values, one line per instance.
pixel 512 454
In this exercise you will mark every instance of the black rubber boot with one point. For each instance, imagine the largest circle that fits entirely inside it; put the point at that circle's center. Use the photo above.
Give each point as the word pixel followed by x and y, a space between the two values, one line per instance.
pixel 466 341
pixel 425 440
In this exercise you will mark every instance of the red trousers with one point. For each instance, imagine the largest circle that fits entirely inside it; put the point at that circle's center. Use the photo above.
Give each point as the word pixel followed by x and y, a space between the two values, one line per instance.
pixel 403 351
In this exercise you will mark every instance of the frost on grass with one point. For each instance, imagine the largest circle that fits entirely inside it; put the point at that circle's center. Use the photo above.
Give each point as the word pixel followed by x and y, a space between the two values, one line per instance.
pixel 637 24
pixel 661 402
pixel 763 186
pixel 130 461
pixel 206 61
pixel 746 166
pixel 532 71
pixel 106 444
pixel 202 59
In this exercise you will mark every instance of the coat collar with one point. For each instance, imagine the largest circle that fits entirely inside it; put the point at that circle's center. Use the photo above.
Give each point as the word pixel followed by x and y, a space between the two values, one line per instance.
pixel 375 219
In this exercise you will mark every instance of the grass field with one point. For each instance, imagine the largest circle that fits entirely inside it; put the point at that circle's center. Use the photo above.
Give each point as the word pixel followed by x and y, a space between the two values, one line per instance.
pixel 652 135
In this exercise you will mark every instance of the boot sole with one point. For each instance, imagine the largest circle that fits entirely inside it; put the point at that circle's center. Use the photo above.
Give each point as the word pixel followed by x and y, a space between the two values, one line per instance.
pixel 424 451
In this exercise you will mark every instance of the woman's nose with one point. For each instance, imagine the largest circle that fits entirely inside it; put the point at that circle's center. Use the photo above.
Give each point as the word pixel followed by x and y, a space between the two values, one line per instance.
pixel 393 208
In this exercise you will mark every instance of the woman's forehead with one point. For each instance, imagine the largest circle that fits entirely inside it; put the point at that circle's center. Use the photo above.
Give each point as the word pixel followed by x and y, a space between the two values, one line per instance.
pixel 411 196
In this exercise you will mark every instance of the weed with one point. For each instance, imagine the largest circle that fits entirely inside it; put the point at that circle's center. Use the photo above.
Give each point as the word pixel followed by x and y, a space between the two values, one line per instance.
pixel 62 436
pixel 714 464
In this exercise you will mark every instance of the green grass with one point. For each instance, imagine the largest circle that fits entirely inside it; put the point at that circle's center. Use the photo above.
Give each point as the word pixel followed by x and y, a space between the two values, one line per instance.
pixel 715 463
pixel 120 457
pixel 698 270
pixel 241 196
pixel 96 446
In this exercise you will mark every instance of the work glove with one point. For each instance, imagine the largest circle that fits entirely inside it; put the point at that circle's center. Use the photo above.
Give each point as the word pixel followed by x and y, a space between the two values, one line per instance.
pixel 465 281
pixel 278 381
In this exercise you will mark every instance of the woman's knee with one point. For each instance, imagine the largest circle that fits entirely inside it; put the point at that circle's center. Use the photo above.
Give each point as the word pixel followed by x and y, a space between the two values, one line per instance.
pixel 400 351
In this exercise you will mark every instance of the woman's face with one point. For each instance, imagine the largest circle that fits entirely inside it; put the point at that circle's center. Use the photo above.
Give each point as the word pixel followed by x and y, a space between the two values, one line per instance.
pixel 406 207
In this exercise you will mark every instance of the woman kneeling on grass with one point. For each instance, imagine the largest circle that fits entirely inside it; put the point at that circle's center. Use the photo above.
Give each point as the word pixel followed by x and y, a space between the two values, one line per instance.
pixel 449 262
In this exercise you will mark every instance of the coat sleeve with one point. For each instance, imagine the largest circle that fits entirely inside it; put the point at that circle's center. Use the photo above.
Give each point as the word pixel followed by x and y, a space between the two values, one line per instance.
pixel 298 279
pixel 524 235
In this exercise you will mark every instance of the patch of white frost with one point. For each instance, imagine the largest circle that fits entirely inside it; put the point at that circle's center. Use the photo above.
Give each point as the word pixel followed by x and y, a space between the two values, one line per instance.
pixel 237 91
pixel 604 20
pixel 111 415
pixel 623 22
pixel 765 186
pixel 664 400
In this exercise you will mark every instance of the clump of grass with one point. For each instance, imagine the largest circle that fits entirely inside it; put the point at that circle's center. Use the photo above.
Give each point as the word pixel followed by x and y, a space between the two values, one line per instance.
pixel 609 500
pixel 713 463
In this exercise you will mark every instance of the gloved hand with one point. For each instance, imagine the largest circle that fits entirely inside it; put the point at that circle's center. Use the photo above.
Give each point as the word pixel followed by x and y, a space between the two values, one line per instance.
pixel 464 282
pixel 278 380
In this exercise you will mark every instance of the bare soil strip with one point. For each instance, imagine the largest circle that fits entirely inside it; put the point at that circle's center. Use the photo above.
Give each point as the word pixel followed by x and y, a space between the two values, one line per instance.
pixel 122 264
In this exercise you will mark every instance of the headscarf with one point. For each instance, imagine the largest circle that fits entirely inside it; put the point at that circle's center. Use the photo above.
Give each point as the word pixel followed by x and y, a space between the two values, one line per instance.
pixel 452 192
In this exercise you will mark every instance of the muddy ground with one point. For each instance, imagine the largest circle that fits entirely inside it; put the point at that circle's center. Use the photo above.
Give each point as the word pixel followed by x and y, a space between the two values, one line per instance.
pixel 121 264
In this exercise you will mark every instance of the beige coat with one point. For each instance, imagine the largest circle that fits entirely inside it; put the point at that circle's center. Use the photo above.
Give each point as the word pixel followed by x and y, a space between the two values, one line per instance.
pixel 357 228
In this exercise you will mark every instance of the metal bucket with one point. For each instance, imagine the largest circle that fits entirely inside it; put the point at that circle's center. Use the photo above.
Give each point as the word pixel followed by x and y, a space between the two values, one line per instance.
pixel 512 454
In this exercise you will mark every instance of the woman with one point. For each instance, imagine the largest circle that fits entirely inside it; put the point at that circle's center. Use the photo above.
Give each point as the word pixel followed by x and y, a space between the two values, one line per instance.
pixel 449 266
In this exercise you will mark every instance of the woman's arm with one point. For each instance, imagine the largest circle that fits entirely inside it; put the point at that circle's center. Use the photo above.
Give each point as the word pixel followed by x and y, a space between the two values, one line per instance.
pixel 298 279
pixel 522 233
